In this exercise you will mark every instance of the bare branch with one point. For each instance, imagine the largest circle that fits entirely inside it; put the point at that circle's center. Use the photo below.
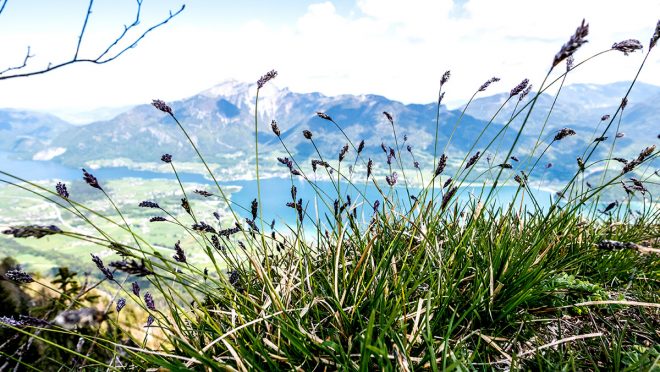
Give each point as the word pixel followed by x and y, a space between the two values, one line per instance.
pixel 2 7
pixel 27 56
pixel 82 32
pixel 109 54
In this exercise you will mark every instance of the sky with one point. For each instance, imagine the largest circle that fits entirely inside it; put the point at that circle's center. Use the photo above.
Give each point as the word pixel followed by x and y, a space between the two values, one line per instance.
pixel 398 49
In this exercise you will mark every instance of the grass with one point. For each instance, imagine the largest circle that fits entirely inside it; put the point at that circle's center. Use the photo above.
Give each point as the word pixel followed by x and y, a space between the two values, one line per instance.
pixel 415 279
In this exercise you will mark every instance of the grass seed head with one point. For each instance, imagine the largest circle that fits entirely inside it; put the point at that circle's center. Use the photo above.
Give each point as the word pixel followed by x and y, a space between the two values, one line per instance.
pixel 135 287
pixel 445 78
pixel 563 133
pixel 573 43
pixel 342 152
pixel 324 116
pixel 185 205
pixel 17 275
pixel 254 208
pixel 32 231
pixel 447 197
pixel 472 160
pixel 524 93
pixel 120 304
pixel 99 263
pixel 391 179
pixel 179 254
pixel 61 190
pixel 203 193
pixel 389 117
pixel 569 63
pixel 275 128
pixel 485 85
pixel 655 37
pixel 519 88
pixel 370 165
pixel 132 268
pixel 162 106
pixel 149 301
pixel 270 75
pixel 442 163
pixel 91 180
pixel 627 46
pixel 148 204
pixel 203 227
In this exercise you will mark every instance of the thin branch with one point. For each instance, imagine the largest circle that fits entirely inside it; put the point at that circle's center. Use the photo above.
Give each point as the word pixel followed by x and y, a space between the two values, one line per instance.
pixel 106 56
pixel 82 32
pixel 25 60
pixel 3 6
pixel 171 15
pixel 126 29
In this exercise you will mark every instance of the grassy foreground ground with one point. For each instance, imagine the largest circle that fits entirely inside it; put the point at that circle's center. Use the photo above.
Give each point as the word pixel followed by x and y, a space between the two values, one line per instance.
pixel 407 281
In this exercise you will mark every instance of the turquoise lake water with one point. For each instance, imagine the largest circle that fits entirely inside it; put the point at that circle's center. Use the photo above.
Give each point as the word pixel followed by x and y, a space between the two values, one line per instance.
pixel 276 192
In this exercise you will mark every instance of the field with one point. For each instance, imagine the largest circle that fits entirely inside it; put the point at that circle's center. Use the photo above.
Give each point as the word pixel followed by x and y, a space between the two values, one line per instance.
pixel 46 254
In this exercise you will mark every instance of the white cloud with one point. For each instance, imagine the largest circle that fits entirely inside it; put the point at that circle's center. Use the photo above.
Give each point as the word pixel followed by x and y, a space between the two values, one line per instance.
pixel 394 48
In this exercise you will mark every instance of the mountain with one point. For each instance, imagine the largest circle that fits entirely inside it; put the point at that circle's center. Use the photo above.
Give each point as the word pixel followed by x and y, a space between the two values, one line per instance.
pixel 220 121
pixel 29 133
pixel 580 107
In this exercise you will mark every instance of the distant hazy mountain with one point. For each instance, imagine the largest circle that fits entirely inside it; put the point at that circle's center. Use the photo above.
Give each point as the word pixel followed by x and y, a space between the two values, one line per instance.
pixel 581 107
pixel 27 132
pixel 221 122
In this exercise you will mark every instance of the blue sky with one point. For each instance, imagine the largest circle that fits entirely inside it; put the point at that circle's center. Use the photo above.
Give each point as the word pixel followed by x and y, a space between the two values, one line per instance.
pixel 398 49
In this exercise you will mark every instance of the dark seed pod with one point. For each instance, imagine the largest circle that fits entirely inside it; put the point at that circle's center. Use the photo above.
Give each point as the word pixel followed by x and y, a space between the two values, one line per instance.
pixel 563 133
pixel 179 255
pixel 91 180
pixel 275 128
pixel 472 160
pixel 162 106
pixel 324 116
pixel 61 190
pixel 573 44
pixel 442 162
pixel 391 179
pixel 270 75
pixel 342 153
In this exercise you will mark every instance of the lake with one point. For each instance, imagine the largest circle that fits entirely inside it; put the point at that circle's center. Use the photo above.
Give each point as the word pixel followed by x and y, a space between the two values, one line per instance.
pixel 275 192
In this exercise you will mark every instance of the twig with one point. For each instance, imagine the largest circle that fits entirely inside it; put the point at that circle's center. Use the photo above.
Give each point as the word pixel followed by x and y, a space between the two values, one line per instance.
pixel 27 56
pixel 82 32
pixel 611 302
pixel 104 57
pixel 497 347
pixel 553 343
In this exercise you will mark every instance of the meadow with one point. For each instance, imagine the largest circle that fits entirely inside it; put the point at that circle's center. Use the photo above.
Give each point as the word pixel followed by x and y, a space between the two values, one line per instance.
pixel 414 276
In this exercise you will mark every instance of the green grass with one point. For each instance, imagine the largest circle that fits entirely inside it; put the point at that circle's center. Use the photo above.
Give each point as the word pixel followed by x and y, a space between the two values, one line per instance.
pixel 429 282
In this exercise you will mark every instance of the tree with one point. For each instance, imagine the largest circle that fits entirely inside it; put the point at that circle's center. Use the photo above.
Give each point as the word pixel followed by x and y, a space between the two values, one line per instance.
pixel 110 52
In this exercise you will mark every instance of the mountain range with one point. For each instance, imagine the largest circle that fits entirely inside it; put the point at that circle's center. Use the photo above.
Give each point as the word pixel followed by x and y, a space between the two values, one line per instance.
pixel 221 122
